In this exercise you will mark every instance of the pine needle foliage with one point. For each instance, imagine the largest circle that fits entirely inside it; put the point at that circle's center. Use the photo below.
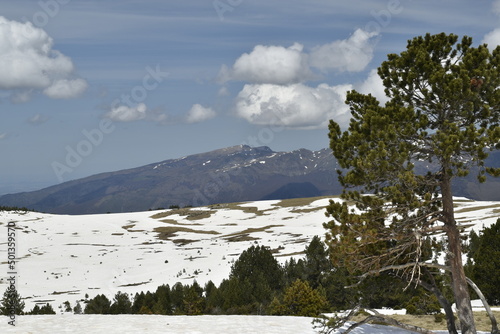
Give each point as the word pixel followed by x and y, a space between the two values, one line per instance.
pixel 443 109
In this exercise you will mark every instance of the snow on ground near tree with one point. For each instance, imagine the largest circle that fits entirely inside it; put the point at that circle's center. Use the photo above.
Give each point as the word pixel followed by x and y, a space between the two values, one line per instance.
pixel 62 258
pixel 152 324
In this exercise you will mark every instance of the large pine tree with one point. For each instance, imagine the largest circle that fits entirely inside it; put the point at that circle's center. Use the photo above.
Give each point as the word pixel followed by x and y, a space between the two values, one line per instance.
pixel 442 110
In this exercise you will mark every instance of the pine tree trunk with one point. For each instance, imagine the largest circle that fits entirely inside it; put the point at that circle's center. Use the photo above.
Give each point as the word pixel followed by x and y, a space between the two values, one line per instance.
pixel 459 281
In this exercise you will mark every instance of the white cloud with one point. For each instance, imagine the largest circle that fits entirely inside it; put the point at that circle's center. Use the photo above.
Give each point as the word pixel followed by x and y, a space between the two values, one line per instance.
pixel 496 7
pixel 270 64
pixel 66 89
pixel 198 113
pixel 3 136
pixel 27 62
pixel 294 106
pixel 373 85
pixel 352 54
pixel 283 66
pixel 492 39
pixel 139 112
pixel 127 114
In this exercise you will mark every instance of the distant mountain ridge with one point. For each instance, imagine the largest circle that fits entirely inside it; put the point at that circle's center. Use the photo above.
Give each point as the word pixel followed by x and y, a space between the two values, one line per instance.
pixel 233 174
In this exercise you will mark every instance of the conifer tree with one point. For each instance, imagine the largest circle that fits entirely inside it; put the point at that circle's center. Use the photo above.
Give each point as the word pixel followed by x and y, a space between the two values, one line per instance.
pixel 214 298
pixel 486 268
pixel 258 265
pixel 45 309
pixel 177 297
pixel 121 304
pixel 163 303
pixel 194 303
pixel 78 308
pixel 317 262
pixel 100 304
pixel 11 303
pixel 442 109
pixel 300 299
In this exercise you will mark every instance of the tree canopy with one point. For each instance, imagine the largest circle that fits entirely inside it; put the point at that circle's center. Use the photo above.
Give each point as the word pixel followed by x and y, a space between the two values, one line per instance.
pixel 442 110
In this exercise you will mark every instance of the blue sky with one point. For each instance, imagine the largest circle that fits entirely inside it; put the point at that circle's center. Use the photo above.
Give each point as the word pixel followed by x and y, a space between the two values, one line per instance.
pixel 91 86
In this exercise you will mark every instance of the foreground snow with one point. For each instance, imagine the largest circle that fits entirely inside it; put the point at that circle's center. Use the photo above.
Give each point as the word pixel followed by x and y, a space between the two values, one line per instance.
pixel 151 324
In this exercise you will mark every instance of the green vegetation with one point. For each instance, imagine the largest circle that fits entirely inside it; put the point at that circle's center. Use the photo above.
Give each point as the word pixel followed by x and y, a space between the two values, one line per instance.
pixel 485 270
pixel 258 284
pixel 443 108
pixel 11 302
pixel 14 208
pixel 45 309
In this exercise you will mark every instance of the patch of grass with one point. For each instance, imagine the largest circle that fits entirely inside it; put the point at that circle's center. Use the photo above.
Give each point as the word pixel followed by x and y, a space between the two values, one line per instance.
pixel 476 208
pixel 167 232
pixel 246 209
pixel 429 321
pixel 245 235
pixel 241 237
pixel 133 284
pixel 189 213
pixel 175 222
pixel 72 292
pixel 183 242
pixel 322 208
pixel 287 203
pixel 129 228
pixel 290 254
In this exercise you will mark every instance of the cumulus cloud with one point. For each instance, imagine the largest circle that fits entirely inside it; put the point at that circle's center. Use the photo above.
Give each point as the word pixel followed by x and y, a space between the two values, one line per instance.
pixel 270 64
pixel 124 113
pixel 198 113
pixel 352 54
pixel 139 112
pixel 373 85
pixel 28 62
pixel 293 106
pixel 283 66
pixel 492 38
pixel 66 89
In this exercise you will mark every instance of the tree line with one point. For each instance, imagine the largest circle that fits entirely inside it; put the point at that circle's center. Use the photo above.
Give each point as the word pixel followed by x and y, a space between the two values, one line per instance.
pixel 258 284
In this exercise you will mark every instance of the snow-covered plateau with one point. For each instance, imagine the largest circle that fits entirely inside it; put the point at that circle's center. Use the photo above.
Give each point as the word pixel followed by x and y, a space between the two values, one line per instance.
pixel 62 258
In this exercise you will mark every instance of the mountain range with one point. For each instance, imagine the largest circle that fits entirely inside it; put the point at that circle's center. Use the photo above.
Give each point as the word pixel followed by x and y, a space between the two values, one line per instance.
pixel 233 174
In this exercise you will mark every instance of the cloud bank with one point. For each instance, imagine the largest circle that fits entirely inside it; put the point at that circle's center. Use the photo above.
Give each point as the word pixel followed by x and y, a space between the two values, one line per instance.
pixel 28 63
pixel 297 105
pixel 270 64
pixel 124 113
pixel 276 92
pixel 351 55
pixel 282 66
